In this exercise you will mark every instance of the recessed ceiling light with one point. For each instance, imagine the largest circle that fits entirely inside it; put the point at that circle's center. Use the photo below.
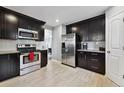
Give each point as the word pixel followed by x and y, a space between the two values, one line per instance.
pixel 57 20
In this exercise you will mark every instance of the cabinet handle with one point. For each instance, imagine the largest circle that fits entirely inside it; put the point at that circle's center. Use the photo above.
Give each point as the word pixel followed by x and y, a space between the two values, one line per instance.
pixel 8 57
pixel 108 52
pixel 94 67
pixel 94 59
pixel 16 36
pixel 85 57
pixel 81 52
pixel 94 54
pixel 123 48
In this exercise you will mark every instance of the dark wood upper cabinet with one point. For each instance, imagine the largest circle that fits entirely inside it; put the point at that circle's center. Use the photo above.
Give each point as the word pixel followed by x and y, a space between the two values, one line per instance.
pixel 10 21
pixel 41 34
pixel 28 23
pixel 84 31
pixel 92 29
pixel 96 29
pixel 9 25
pixel 1 23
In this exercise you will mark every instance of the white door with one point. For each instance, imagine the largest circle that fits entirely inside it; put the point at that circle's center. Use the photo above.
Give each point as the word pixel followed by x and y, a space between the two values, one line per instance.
pixel 115 61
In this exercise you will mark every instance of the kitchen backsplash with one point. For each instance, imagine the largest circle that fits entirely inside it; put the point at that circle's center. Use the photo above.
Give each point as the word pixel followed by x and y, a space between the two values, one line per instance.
pixel 10 45
pixel 95 45
pixel 7 45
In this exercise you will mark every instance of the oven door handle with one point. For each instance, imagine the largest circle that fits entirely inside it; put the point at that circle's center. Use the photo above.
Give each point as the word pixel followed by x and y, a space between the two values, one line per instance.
pixel 26 54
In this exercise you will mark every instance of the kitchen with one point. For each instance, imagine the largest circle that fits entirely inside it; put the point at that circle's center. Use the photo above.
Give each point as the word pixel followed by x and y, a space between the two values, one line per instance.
pixel 89 46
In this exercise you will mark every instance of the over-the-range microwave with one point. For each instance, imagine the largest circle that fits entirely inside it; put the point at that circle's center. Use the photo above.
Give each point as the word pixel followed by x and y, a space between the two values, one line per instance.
pixel 27 34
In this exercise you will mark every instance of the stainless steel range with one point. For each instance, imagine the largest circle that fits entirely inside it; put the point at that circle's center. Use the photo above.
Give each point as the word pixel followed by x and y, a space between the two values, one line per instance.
pixel 27 65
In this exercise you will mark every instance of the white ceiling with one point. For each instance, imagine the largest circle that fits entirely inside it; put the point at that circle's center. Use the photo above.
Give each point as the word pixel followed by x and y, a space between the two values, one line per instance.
pixel 65 14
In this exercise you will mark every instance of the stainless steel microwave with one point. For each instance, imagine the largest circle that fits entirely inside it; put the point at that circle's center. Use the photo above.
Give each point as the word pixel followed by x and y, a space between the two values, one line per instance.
pixel 27 34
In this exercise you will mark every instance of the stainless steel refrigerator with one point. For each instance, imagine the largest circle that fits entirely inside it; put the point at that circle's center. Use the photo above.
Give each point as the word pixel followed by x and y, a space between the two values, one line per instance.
pixel 68 49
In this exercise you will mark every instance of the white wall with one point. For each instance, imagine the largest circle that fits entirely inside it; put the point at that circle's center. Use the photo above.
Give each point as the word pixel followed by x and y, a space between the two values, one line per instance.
pixel 56 41
pixel 48 38
pixel 10 45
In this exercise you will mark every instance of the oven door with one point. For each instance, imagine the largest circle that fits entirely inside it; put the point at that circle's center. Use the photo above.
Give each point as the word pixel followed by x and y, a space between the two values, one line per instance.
pixel 25 62
pixel 27 34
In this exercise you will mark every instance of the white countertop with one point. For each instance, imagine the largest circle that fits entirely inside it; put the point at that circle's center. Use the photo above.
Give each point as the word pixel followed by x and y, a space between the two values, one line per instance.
pixel 8 52
pixel 90 50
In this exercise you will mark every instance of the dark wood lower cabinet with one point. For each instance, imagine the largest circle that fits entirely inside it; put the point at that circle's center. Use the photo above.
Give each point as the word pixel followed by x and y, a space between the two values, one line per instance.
pixel 81 59
pixel 43 58
pixel 92 61
pixel 9 66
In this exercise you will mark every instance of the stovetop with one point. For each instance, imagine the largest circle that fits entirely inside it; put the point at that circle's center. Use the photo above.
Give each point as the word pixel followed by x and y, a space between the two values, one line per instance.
pixel 26 50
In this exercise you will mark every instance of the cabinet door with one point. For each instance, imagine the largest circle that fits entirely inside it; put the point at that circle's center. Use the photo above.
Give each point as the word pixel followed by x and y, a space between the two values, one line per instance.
pixel 41 34
pixel 96 29
pixel 9 66
pixel 1 24
pixel 93 30
pixel 84 31
pixel 43 58
pixel 28 23
pixel 101 33
pixel 13 68
pixel 35 25
pixel 10 26
pixel 68 29
pixel 24 23
pixel 3 67
pixel 81 59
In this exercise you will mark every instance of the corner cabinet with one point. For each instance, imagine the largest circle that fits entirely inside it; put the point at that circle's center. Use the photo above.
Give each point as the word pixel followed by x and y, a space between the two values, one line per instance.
pixel 9 66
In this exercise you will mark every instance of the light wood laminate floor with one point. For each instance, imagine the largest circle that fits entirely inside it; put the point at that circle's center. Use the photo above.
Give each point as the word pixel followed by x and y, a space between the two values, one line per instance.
pixel 58 75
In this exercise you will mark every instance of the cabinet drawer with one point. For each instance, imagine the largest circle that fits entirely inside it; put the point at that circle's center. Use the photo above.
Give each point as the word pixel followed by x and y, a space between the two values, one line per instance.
pixel 94 62
pixel 98 69
pixel 94 67
pixel 95 56
pixel 92 59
